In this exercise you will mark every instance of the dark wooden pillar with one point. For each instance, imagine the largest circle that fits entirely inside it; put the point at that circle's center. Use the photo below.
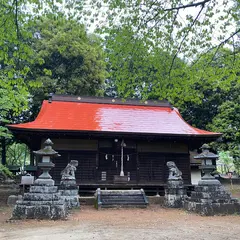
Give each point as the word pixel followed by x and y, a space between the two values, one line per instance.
pixel 32 159
pixel 97 164
pixel 137 166
pixel 3 143
pixel 34 146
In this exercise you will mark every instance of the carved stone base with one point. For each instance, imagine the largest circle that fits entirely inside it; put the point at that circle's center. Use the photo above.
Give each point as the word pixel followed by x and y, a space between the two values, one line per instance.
pixel 209 199
pixel 69 193
pixel 68 182
pixel 211 209
pixel 42 202
pixel 175 193
pixel 44 182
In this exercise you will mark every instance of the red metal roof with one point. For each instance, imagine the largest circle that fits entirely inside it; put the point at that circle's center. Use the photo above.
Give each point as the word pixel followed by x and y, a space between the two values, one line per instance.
pixel 95 117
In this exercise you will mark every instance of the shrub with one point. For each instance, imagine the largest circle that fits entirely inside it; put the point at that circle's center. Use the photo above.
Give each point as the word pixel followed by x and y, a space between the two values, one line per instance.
pixel 5 171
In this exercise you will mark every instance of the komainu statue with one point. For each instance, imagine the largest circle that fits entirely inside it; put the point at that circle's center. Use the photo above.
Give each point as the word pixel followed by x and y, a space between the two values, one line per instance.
pixel 174 172
pixel 69 171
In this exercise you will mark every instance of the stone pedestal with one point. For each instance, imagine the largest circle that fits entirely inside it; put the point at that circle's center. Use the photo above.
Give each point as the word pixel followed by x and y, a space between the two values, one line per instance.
pixel 42 202
pixel 69 193
pixel 175 193
pixel 210 198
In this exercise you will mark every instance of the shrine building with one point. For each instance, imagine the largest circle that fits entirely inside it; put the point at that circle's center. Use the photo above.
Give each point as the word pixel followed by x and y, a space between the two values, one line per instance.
pixel 118 144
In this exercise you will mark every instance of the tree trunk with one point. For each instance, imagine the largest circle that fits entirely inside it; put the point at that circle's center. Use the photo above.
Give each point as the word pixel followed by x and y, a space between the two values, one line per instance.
pixel 3 143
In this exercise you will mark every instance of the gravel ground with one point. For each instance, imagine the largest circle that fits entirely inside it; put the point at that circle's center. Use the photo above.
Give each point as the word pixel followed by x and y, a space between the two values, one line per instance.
pixel 152 223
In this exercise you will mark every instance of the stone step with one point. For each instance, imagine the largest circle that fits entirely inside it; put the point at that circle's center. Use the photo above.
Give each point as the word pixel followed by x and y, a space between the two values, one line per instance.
pixel 120 198
pixel 124 206
pixel 109 199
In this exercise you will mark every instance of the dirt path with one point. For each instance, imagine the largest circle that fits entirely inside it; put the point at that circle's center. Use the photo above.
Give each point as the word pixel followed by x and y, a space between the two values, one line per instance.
pixel 142 224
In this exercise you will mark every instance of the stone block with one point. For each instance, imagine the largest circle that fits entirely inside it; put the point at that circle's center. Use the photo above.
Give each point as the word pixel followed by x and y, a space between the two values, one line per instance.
pixel 208 182
pixel 30 212
pixel 41 196
pixel 44 182
pixel 42 212
pixel 175 193
pixel 173 200
pixel 43 189
pixel 206 200
pixel 174 183
pixel 12 199
pixel 73 192
pixel 71 201
pixel 210 188
pixel 68 182
pixel 19 212
pixel 58 212
pixel 210 209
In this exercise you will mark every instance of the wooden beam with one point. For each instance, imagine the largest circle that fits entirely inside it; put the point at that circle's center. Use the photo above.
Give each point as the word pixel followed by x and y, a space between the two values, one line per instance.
pixel 107 100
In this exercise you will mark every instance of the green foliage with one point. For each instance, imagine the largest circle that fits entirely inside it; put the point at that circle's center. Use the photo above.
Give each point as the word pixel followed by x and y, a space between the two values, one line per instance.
pixel 226 161
pixel 72 61
pixel 137 71
pixel 5 171
pixel 187 27
pixel 227 121
pixel 28 65
pixel 144 39
pixel 17 154
pixel 215 79
pixel 15 57
pixel 69 60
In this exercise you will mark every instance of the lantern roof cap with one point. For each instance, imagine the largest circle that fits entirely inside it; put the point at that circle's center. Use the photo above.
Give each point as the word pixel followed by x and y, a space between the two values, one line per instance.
pixel 206 153
pixel 47 150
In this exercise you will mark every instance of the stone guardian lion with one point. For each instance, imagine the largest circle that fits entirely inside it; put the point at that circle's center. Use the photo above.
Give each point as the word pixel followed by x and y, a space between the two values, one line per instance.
pixel 69 171
pixel 174 172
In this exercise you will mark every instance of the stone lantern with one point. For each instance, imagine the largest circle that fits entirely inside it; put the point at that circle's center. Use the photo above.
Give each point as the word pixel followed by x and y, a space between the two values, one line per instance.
pixel 46 153
pixel 207 166
pixel 43 201
pixel 209 196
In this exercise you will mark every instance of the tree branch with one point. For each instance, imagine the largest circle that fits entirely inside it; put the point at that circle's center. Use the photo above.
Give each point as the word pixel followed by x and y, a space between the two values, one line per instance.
pixel 183 39
pixel 188 6
pixel 143 19
pixel 16 18
pixel 224 42
pixel 217 48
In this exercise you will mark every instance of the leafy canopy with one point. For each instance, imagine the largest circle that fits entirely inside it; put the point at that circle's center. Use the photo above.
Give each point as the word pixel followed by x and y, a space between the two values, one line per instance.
pixel 15 57
pixel 27 62
pixel 135 71
pixel 70 60
pixel 185 28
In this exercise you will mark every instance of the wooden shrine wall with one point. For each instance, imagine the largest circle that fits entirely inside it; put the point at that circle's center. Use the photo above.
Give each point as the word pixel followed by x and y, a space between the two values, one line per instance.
pixel 82 150
pixel 144 162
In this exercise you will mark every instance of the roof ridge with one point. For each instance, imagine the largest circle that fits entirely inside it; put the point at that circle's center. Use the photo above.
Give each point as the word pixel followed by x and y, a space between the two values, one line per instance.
pixel 108 100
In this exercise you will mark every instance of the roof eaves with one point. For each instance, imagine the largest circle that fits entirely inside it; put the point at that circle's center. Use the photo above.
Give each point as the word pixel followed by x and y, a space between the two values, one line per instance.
pixel 214 135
